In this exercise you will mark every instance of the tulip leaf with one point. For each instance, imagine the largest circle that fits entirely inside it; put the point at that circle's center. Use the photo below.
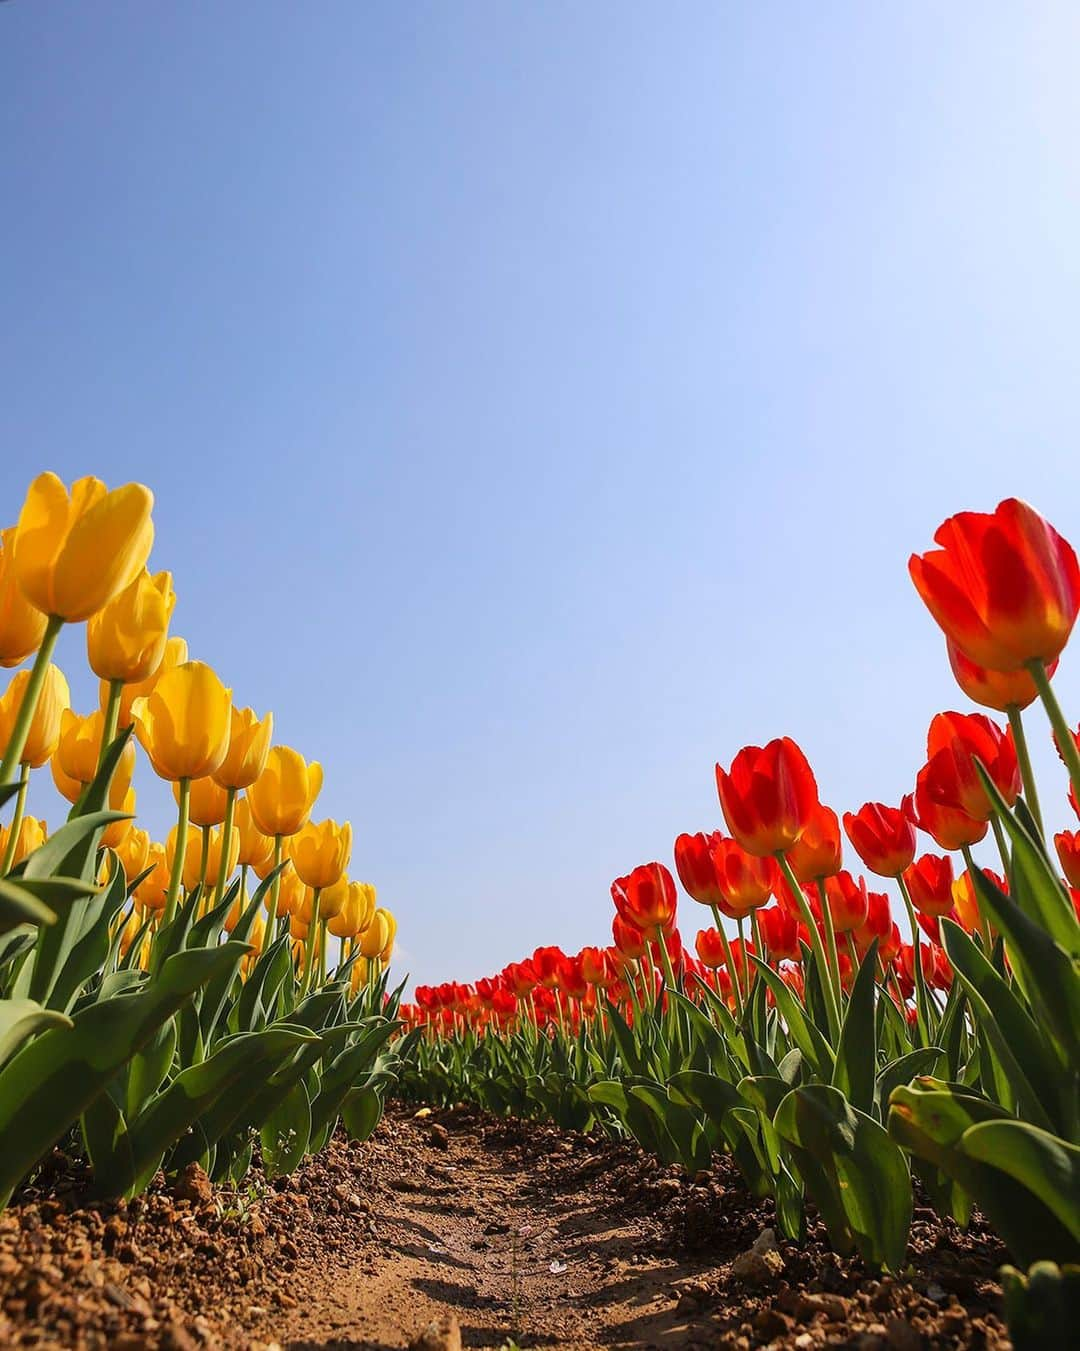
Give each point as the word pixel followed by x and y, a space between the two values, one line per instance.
pixel 86 955
pixel 19 905
pixel 854 1072
pixel 805 1034
pixel 47 1085
pixel 1044 1164
pixel 857 1175
pixel 285 1133
pixel 361 1112
pixel 21 1019
pixel 923 1060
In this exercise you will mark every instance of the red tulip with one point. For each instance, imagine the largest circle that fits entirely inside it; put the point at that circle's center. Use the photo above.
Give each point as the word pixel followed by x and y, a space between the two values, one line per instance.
pixel 954 743
pixel 571 977
pixel 646 898
pixel 1004 586
pixel 949 826
pixel 595 965
pixel 882 837
pixel 1000 690
pixel 848 901
pixel 520 978
pixel 627 938
pixel 697 870
pixel 929 883
pixel 780 934
pixel 546 962
pixel 709 947
pixel 878 924
pixel 745 881
pixel 1067 844
pixel 817 851
pixel 768 797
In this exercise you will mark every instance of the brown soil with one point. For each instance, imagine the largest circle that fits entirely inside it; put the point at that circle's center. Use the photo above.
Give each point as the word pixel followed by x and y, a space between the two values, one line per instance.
pixel 517 1230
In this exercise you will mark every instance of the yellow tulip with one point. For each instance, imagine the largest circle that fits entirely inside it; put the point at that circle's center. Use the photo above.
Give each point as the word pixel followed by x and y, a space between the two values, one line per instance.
pixel 232 919
pixel 31 835
pixel 249 745
pixel 183 723
pixel 175 654
pixel 73 552
pixel 355 915
pixel 77 755
pixel 126 639
pixel 320 852
pixel 192 865
pixel 22 626
pixel 361 973
pixel 206 805
pixel 333 897
pixel 375 937
pixel 44 731
pixel 69 787
pixel 282 796
pixel 388 946
pixel 256 849
pixel 133 852
pixel 292 895
pixel 151 892
pixel 114 834
pixel 298 928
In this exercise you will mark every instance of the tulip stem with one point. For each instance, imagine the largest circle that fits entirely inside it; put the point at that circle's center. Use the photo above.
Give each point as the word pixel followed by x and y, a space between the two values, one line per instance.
pixel 178 854
pixel 1023 758
pixel 741 926
pixel 226 838
pixel 16 820
pixel 309 946
pixel 20 728
pixel 204 859
pixel 729 961
pixel 916 949
pixel 1003 846
pixel 832 1011
pixel 323 925
pixel 271 909
pixel 1065 740
pixel 830 939
pixel 112 718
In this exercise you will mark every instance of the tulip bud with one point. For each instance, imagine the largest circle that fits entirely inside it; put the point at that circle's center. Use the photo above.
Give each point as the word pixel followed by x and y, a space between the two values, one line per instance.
pixel 125 640
pixel 320 852
pixel 44 732
pixel 249 745
pixel 133 852
pixel 256 849
pixel 282 796
pixel 73 553
pixel 151 892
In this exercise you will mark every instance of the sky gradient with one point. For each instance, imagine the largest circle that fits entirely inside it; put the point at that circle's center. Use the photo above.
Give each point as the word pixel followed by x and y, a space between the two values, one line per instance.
pixel 542 401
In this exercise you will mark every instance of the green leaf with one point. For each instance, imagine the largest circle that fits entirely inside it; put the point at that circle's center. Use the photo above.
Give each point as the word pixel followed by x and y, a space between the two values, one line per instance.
pixel 853 1169
pixel 18 905
pixel 48 1085
pixel 1042 1163
pixel 22 1018
pixel 284 1135
pixel 816 1050
pixel 854 1073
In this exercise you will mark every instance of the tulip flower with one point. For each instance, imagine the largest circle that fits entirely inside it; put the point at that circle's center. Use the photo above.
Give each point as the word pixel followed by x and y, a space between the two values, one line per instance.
pixel 249 746
pixel 22 625
pixel 882 836
pixel 320 852
pixel 950 826
pixel 1000 690
pixel 220 862
pixel 768 797
pixel 377 935
pixel 697 870
pixel 1004 586
pixel 646 898
pixel 282 796
pixel 929 882
pixel 19 839
pixel 120 800
pixel 954 743
pixel 545 963
pixel 152 891
pixel 125 639
pixel 595 966
pixel 43 732
pixel 68 787
pixel 746 881
pixel 332 898
pixel 175 654
pixel 70 554
pixel 256 849
pixel 780 933
pixel 967 911
pixel 520 977
pixel 293 896
pixel 355 914
pixel 206 803
pixel 710 948
pixel 817 853
pixel 1067 844
pixel 184 722
pixel 847 900
pixel 133 851
pixel 628 938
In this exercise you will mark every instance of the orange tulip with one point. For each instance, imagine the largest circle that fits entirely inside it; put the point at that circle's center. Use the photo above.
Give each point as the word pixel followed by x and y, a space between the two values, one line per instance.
pixel 1067 844
pixel 646 899
pixel 883 838
pixel 817 851
pixel 1000 690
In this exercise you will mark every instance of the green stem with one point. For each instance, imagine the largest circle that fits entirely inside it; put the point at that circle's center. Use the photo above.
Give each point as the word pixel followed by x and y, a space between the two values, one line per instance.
pixel 178 855
pixel 729 959
pixel 271 909
pixel 741 926
pixel 1066 744
pixel 16 820
pixel 112 718
pixel 226 837
pixel 984 923
pixel 309 946
pixel 1023 759
pixel 916 947
pixel 830 940
pixel 1003 846
pixel 20 728
pixel 322 949
pixel 204 859
pixel 832 1010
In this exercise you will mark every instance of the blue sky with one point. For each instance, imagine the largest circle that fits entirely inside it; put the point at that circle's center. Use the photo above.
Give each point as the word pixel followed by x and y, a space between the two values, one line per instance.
pixel 542 401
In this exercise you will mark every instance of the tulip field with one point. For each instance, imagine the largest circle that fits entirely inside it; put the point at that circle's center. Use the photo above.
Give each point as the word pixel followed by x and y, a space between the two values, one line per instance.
pixel 868 1025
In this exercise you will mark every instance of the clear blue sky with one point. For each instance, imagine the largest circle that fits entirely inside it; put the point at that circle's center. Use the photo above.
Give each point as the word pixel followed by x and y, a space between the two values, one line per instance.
pixel 542 401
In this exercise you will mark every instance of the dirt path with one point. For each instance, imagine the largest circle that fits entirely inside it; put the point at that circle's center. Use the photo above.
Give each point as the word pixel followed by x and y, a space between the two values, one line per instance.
pixel 515 1235
pixel 526 1236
